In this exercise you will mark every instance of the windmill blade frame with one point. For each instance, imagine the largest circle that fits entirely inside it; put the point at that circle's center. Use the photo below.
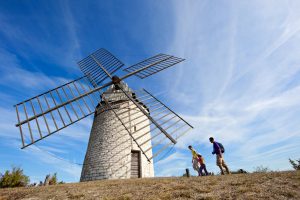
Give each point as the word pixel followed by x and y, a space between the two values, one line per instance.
pixel 120 119
pixel 92 66
pixel 148 116
pixel 103 68
pixel 53 111
pixel 166 121
pixel 153 65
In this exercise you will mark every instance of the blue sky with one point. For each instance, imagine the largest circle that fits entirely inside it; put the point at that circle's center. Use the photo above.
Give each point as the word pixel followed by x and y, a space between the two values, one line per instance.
pixel 240 82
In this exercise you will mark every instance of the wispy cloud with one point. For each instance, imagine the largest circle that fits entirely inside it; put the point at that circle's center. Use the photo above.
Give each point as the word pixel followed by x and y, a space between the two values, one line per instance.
pixel 245 101
pixel 17 80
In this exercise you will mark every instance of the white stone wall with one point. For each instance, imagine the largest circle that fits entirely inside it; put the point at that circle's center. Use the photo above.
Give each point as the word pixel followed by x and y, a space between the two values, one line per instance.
pixel 108 153
pixel 147 168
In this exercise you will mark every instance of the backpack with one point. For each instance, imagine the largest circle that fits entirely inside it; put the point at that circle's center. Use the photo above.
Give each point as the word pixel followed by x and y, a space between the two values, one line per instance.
pixel 221 147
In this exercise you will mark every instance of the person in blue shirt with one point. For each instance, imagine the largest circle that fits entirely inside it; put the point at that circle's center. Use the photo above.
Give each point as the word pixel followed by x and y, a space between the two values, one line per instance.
pixel 219 155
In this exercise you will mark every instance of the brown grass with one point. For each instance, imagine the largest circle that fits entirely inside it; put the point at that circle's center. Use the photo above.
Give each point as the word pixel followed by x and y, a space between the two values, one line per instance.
pixel 277 185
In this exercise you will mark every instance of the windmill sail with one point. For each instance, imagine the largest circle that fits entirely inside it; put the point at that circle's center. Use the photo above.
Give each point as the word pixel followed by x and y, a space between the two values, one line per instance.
pixel 153 65
pixel 163 121
pixel 92 65
pixel 49 112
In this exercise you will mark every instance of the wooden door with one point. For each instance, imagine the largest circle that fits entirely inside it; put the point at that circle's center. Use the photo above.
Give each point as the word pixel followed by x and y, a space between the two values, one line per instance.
pixel 135 164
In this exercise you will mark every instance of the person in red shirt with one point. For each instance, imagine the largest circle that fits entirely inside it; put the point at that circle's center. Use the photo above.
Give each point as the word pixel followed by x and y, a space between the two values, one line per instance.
pixel 202 165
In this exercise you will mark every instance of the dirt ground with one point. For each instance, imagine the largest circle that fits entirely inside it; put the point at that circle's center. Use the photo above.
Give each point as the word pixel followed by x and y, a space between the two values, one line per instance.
pixel 277 185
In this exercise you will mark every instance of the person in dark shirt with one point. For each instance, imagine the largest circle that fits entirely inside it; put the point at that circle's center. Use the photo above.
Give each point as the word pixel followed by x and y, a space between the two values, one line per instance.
pixel 219 156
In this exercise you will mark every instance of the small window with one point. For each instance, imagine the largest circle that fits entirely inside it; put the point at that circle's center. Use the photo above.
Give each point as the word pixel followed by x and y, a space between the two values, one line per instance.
pixel 134 128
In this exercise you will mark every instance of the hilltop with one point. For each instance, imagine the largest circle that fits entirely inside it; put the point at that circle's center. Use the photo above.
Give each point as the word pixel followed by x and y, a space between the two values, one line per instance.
pixel 273 185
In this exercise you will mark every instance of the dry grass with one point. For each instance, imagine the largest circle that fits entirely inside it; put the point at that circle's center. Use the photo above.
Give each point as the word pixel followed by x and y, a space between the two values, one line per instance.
pixel 278 185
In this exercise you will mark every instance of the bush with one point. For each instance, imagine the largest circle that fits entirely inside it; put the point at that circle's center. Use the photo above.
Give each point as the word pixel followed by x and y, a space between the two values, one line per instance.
pixel 261 169
pixel 15 178
pixel 294 164
pixel 53 180
pixel 240 171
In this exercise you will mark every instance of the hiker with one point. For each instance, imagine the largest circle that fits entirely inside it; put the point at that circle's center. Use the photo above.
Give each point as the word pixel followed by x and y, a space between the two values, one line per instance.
pixel 219 150
pixel 202 165
pixel 195 159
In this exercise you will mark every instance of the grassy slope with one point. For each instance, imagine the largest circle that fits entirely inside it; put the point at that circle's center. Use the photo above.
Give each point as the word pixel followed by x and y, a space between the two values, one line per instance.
pixel 278 185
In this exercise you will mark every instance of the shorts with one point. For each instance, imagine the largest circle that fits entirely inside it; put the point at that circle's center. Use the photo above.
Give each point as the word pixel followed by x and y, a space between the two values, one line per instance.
pixel 220 160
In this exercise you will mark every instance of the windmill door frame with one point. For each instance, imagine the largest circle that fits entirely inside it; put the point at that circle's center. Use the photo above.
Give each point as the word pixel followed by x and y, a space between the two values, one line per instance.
pixel 139 163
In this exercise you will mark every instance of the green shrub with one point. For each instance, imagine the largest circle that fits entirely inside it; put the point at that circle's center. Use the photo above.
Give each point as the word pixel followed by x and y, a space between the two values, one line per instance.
pixel 294 164
pixel 15 178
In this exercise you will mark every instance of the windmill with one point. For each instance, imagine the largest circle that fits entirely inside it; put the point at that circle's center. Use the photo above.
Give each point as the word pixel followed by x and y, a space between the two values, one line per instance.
pixel 130 128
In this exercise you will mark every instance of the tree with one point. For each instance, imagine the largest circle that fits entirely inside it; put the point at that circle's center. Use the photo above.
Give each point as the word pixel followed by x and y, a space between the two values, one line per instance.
pixel 15 178
pixel 294 163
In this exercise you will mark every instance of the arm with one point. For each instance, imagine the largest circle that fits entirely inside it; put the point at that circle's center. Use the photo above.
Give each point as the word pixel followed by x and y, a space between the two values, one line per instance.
pixel 214 149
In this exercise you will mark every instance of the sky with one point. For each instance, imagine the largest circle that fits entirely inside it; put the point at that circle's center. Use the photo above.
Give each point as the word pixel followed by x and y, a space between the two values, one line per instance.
pixel 240 82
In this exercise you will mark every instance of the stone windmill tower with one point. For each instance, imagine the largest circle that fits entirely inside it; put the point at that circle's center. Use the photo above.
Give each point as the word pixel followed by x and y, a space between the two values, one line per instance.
pixel 130 127
pixel 111 151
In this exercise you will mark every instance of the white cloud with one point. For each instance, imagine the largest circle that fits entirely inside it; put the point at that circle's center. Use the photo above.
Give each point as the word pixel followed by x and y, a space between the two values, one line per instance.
pixel 234 90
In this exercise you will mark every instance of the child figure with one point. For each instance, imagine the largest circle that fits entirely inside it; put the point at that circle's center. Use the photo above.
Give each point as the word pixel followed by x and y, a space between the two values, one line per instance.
pixel 202 165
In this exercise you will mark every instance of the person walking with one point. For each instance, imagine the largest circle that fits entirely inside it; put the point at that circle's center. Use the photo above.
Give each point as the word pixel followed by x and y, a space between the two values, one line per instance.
pixel 202 165
pixel 218 149
pixel 195 159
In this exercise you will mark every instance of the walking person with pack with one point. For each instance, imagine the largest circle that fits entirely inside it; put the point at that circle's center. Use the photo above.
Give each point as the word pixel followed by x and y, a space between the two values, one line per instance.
pixel 202 165
pixel 195 159
pixel 219 149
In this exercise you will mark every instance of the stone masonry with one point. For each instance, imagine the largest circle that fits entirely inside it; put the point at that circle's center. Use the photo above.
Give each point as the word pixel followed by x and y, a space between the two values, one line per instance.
pixel 109 149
